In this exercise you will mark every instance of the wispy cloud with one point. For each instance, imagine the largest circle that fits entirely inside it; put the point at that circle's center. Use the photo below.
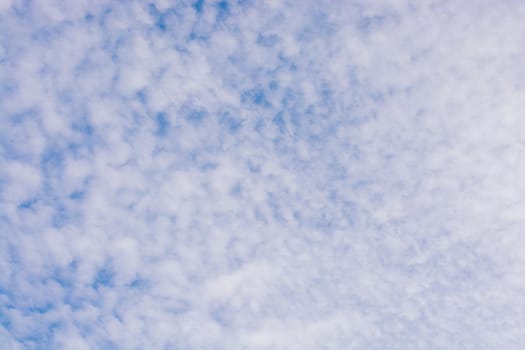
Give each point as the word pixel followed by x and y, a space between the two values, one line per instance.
pixel 262 175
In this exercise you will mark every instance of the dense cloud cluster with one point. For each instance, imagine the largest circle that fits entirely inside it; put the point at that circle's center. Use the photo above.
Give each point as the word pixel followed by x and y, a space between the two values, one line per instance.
pixel 262 174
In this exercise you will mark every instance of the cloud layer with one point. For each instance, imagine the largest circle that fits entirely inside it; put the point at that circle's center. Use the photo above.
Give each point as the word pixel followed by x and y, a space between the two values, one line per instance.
pixel 262 175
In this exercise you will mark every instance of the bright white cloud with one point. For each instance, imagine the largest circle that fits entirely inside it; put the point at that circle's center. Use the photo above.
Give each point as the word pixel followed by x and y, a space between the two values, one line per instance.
pixel 261 175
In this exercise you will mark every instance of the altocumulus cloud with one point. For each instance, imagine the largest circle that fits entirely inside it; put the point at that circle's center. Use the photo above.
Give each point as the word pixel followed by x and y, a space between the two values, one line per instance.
pixel 262 174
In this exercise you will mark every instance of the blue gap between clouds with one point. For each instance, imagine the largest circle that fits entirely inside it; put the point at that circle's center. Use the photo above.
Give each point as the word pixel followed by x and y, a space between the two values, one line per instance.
pixel 104 278
pixel 163 124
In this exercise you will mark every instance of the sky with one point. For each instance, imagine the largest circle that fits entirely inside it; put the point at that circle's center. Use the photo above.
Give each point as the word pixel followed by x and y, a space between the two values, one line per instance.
pixel 242 174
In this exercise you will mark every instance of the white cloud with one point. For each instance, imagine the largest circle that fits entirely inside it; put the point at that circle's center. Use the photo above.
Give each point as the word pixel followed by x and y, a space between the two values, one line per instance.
pixel 230 175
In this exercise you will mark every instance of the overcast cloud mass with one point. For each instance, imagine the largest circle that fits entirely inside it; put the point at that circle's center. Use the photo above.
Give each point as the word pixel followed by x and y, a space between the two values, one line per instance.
pixel 251 174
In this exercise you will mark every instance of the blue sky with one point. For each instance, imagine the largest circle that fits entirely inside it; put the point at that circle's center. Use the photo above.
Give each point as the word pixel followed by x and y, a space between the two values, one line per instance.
pixel 262 174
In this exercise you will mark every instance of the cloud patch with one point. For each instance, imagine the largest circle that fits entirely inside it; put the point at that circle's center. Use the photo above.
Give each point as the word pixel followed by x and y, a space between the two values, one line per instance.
pixel 239 174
